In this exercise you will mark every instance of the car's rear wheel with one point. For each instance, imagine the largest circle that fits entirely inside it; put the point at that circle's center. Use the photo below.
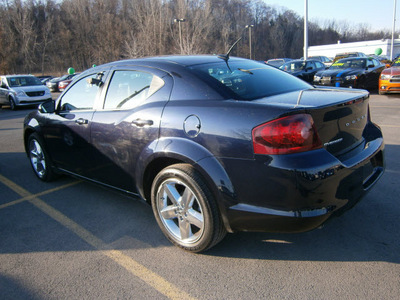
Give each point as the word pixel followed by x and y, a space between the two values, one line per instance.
pixel 39 159
pixel 185 209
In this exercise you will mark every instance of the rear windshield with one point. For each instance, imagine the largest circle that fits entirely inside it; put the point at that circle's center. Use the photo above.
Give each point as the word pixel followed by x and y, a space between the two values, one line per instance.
pixel 247 80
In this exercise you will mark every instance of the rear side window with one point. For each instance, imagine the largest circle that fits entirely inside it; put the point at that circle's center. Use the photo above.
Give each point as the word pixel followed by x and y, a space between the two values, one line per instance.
pixel 249 80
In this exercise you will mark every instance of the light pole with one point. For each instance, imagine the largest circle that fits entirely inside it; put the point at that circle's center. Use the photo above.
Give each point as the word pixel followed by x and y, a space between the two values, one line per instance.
pixel 249 27
pixel 305 55
pixel 179 21
pixel 393 29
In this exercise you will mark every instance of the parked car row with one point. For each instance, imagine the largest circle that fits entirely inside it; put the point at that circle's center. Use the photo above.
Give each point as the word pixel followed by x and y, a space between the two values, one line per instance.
pixel 27 90
pixel 350 69
pixel 58 84
pixel 22 90
pixel 278 62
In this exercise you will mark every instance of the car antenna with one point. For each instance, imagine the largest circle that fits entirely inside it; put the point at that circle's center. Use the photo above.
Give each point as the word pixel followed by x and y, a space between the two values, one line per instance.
pixel 226 56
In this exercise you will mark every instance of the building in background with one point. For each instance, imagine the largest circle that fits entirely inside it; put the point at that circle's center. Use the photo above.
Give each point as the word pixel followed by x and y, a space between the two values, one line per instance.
pixel 367 47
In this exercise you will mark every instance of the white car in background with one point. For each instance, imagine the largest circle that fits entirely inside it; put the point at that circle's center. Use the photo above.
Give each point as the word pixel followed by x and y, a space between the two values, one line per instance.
pixel 22 90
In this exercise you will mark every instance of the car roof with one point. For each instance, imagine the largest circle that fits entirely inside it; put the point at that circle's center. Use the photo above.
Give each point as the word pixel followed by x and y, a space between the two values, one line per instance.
pixel 182 60
pixel 297 60
pixel 356 58
pixel 18 75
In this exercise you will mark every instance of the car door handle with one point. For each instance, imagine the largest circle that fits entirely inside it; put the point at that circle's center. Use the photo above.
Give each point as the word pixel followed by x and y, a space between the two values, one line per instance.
pixel 141 123
pixel 81 121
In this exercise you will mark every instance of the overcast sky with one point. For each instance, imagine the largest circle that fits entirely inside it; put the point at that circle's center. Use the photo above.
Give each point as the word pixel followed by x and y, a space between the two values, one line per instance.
pixel 377 14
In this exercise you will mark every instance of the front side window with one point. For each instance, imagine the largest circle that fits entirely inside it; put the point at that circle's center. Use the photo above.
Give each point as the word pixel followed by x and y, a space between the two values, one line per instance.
pixel 310 65
pixel 80 96
pixel 129 89
pixel 376 62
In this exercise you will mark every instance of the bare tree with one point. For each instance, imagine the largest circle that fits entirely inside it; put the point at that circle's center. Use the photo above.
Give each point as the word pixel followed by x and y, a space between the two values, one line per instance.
pixel 52 35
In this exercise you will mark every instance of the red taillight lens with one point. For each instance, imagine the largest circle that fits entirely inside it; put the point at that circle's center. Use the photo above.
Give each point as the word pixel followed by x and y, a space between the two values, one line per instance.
pixel 286 135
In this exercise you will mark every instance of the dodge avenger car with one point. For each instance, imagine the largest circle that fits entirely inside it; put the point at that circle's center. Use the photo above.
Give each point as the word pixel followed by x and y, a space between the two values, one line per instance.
pixel 214 144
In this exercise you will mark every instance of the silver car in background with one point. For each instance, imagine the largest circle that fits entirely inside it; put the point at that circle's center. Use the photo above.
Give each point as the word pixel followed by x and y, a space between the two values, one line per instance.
pixel 22 90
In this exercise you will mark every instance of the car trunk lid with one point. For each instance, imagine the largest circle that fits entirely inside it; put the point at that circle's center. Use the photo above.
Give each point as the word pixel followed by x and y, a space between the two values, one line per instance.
pixel 340 116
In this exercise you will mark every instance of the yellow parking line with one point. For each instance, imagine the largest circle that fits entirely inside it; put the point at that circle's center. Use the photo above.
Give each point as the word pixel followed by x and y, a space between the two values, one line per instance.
pixel 16 189
pixel 384 106
pixel 394 126
pixel 149 277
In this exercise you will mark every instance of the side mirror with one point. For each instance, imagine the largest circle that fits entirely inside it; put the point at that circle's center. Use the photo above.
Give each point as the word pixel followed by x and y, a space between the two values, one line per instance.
pixel 370 66
pixel 47 107
pixel 94 81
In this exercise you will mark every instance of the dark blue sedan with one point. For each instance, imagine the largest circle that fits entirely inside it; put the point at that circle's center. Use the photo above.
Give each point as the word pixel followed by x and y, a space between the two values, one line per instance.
pixel 214 144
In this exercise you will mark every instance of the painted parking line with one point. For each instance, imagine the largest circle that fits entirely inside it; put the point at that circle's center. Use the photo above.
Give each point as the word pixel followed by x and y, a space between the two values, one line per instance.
pixel 384 106
pixel 393 126
pixel 29 196
pixel 149 277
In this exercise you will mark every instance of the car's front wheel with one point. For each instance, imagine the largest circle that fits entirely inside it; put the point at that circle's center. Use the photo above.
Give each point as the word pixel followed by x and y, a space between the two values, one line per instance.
pixel 13 106
pixel 39 159
pixel 185 209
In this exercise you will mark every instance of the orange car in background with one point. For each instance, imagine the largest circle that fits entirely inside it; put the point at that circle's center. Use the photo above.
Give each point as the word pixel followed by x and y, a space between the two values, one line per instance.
pixel 389 81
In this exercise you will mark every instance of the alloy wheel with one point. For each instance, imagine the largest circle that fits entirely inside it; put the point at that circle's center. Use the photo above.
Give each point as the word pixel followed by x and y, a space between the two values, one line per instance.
pixel 180 211
pixel 37 158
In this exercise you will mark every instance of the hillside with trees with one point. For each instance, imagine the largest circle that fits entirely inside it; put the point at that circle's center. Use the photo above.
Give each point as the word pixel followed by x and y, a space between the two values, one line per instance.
pixel 47 36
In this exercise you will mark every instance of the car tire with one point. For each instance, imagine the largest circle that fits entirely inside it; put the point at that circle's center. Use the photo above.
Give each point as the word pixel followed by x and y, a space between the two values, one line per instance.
pixel 13 106
pixel 39 159
pixel 185 209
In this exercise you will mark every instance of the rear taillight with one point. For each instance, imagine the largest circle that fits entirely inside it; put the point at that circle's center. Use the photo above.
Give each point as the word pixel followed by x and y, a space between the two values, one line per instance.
pixel 286 135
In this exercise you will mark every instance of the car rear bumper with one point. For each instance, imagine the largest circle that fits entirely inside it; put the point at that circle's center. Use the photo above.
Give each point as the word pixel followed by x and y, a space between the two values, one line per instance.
pixel 274 196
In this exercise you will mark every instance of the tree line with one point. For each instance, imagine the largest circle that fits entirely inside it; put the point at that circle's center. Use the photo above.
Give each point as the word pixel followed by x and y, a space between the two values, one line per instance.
pixel 49 36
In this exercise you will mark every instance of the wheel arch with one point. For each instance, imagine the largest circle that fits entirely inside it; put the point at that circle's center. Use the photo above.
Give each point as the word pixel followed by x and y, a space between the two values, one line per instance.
pixel 12 101
pixel 29 128
pixel 170 151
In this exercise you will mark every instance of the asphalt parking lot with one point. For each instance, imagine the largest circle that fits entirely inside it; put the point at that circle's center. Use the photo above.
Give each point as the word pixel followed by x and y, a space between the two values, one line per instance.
pixel 74 240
